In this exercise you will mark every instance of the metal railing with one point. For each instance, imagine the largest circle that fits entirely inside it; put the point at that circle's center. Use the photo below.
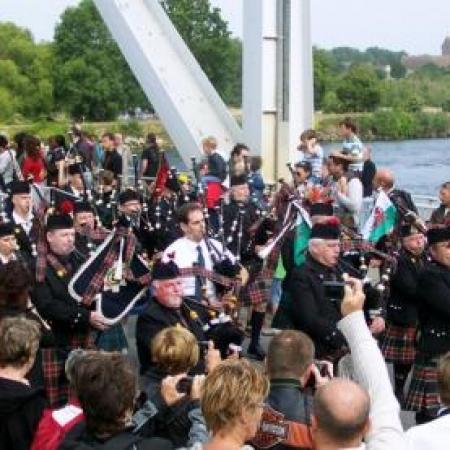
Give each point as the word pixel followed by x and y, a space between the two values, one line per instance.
pixel 425 204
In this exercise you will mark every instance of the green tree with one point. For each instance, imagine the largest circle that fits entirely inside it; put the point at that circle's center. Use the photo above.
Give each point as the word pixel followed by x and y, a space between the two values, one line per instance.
pixel 323 63
pixel 24 73
pixel 207 36
pixel 359 89
pixel 91 77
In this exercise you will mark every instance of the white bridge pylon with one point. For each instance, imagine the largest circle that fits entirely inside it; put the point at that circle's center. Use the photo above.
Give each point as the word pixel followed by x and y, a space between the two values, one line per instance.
pixel 277 78
pixel 171 78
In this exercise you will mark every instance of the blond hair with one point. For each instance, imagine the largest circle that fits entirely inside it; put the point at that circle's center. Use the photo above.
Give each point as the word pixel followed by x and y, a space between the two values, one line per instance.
pixel 19 341
pixel 175 350
pixel 210 141
pixel 233 387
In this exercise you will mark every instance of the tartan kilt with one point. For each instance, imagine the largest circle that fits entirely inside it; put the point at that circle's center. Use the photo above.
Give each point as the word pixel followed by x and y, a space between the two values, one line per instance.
pixel 53 364
pixel 399 344
pixel 257 292
pixel 423 392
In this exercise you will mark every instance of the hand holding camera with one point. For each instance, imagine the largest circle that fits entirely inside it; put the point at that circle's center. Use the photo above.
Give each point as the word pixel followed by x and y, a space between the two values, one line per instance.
pixel 175 388
pixel 353 296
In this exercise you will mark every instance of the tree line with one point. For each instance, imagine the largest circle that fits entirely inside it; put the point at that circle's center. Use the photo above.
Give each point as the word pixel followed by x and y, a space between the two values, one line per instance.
pixel 83 74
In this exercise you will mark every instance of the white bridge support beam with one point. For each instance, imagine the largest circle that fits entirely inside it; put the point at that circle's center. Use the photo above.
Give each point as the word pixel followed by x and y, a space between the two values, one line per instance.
pixel 173 81
pixel 277 80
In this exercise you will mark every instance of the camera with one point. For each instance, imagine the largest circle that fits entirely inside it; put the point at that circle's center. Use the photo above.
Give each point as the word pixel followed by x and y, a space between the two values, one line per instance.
pixel 184 386
pixel 334 291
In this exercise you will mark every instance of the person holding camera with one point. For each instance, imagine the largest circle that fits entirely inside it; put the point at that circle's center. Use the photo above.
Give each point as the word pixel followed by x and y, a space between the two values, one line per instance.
pixel 294 376
pixel 175 353
pixel 364 415
pixel 314 309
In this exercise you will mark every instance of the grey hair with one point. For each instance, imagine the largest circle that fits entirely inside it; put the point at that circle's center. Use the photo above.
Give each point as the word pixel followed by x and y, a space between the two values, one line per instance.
pixel 314 242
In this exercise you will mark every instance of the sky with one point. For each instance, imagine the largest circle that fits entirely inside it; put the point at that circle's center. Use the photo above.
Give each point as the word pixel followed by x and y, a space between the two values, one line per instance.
pixel 416 26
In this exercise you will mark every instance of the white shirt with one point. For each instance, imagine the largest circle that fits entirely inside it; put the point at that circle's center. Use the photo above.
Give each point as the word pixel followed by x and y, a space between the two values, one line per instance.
pixel 26 223
pixel 434 435
pixel 8 165
pixel 6 260
pixel 186 256
pixel 370 372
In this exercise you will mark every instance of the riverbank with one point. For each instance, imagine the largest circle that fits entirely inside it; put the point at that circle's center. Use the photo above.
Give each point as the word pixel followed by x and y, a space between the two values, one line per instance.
pixel 387 125
pixel 381 125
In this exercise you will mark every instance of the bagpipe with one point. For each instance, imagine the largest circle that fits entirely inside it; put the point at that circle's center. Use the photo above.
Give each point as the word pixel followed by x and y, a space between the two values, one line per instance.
pixel 115 276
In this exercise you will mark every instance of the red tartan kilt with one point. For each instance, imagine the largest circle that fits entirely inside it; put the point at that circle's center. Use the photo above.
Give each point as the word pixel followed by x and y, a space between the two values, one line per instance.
pixel 257 291
pixel 214 190
pixel 399 344
pixel 53 368
pixel 423 392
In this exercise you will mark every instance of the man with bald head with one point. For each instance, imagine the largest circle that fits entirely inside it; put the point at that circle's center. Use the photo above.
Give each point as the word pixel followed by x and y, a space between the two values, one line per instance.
pixel 341 414
pixel 384 180
pixel 341 408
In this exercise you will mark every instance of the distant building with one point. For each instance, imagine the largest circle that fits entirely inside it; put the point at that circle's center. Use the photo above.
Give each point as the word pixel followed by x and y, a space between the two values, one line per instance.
pixel 413 63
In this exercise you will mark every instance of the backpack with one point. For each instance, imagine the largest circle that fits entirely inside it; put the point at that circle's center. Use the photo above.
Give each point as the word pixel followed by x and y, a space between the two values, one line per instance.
pixel 54 425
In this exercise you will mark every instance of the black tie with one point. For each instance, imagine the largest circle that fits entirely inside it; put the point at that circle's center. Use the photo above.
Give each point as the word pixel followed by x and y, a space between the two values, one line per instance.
pixel 198 278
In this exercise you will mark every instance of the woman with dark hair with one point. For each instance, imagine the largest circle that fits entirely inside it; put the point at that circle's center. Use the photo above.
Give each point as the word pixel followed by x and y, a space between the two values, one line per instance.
pixel 55 158
pixel 33 165
pixel 15 285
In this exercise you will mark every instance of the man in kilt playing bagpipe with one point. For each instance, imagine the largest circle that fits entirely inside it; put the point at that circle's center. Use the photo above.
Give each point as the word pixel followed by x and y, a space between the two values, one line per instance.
pixel 71 322
pixel 399 345
pixel 433 300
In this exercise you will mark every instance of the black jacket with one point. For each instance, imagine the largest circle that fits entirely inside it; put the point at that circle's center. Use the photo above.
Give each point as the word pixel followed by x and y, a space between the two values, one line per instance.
pixel 157 317
pixel 368 173
pixel 113 162
pixel 55 305
pixel 21 407
pixel 433 296
pixel 78 438
pixel 309 310
pixel 217 167
pixel 402 304
pixel 25 240
pixel 151 154
pixel 440 215
pixel 172 422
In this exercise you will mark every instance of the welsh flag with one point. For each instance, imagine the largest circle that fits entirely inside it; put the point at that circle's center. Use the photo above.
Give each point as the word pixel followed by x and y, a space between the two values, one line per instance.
pixel 302 235
pixel 381 221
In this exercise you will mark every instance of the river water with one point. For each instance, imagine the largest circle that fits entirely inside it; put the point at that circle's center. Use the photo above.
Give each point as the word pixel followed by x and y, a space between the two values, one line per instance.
pixel 420 166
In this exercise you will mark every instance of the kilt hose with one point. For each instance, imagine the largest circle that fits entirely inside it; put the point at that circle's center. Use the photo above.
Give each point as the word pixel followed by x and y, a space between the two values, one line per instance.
pixel 399 344
pixel 423 394
pixel 53 367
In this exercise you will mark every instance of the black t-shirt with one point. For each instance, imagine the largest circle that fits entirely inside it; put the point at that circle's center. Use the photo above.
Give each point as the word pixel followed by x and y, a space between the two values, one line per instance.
pixel 368 173
pixel 151 154
pixel 113 162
